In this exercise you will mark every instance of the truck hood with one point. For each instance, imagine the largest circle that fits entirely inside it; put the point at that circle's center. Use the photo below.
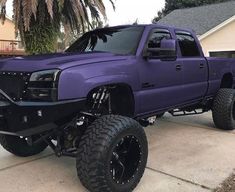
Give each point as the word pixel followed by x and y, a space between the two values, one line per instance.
pixel 56 61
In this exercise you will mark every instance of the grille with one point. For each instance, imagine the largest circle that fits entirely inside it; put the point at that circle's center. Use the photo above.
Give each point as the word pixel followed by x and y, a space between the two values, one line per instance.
pixel 14 84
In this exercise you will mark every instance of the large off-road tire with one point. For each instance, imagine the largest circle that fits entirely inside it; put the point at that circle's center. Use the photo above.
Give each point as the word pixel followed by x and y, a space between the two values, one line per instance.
pixel 19 146
pixel 223 110
pixel 112 155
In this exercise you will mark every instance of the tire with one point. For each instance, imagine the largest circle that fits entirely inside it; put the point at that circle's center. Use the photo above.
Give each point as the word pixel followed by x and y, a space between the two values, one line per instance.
pixel 223 109
pixel 103 149
pixel 160 115
pixel 19 146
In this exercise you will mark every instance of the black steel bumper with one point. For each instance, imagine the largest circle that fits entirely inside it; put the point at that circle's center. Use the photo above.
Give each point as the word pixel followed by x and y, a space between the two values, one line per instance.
pixel 30 118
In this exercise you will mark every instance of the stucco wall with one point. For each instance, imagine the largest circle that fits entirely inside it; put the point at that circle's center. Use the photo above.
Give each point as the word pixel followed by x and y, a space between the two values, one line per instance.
pixel 7 30
pixel 221 40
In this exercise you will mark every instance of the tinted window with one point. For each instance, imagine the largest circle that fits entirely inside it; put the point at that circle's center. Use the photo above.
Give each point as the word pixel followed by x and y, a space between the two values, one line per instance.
pixel 117 40
pixel 156 37
pixel 188 45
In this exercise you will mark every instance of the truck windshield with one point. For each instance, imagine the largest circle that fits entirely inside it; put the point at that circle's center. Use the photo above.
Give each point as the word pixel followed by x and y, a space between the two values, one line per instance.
pixel 116 40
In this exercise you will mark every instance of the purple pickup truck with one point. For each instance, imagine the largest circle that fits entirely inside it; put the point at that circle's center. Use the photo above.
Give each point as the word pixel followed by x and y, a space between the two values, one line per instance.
pixel 92 101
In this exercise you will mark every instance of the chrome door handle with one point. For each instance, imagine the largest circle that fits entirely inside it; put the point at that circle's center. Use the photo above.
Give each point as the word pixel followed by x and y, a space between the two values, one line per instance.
pixel 201 66
pixel 178 67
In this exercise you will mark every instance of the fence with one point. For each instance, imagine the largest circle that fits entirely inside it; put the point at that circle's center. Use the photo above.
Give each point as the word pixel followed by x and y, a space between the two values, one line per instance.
pixel 11 48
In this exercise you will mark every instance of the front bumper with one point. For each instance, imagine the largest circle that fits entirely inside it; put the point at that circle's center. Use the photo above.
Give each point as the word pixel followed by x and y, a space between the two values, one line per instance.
pixel 30 118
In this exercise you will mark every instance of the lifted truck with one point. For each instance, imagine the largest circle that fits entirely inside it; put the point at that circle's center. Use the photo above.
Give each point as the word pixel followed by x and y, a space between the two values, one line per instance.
pixel 92 101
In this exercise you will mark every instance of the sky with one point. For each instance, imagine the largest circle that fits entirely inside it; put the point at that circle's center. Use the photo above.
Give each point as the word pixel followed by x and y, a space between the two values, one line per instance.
pixel 127 11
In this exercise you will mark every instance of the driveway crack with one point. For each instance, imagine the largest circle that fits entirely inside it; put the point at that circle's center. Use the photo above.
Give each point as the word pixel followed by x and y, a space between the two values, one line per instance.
pixel 179 178
pixel 23 163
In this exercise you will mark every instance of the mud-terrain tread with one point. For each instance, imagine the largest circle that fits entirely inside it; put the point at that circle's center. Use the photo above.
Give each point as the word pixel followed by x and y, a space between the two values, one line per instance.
pixel 19 147
pixel 89 167
pixel 222 110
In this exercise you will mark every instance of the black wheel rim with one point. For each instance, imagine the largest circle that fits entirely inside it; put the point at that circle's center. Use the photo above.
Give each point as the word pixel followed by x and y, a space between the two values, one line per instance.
pixel 125 161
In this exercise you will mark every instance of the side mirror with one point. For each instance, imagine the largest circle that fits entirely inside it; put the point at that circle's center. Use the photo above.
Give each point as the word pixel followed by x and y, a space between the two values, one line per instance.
pixel 167 50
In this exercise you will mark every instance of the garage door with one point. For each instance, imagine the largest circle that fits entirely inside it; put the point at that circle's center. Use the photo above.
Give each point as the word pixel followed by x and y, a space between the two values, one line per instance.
pixel 223 54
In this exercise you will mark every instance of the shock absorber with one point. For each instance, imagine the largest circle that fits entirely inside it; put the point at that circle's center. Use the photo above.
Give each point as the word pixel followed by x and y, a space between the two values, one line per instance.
pixel 96 97
pixel 100 97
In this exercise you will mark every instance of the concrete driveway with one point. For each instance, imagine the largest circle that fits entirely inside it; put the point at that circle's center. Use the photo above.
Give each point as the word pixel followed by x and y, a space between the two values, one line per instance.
pixel 186 154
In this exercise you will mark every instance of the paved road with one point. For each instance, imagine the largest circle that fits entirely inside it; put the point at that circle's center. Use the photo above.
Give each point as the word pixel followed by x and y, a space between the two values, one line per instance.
pixel 186 154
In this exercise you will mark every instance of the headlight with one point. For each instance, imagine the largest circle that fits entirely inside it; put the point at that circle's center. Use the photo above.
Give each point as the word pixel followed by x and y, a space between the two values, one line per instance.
pixel 48 76
pixel 43 85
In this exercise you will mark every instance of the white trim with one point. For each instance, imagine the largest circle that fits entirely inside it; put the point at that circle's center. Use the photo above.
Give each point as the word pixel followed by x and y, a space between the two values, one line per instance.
pixel 217 28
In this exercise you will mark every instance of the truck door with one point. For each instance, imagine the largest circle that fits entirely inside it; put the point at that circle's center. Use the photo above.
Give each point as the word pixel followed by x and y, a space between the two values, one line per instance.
pixel 194 66
pixel 161 80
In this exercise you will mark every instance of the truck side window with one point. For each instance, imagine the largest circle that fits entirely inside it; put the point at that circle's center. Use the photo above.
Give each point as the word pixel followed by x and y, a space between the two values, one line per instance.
pixel 188 45
pixel 156 37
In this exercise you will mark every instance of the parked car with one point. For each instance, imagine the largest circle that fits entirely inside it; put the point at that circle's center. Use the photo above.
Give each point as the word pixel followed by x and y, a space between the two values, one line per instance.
pixel 92 101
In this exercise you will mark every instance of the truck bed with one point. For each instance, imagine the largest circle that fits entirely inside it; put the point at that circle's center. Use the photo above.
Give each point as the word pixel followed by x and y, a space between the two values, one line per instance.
pixel 217 68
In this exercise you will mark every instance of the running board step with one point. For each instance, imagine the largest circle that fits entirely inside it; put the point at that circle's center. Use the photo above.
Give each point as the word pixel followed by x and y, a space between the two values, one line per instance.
pixel 178 112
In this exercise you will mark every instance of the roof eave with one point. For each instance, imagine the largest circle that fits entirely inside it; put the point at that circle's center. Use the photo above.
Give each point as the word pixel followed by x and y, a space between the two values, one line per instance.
pixel 218 27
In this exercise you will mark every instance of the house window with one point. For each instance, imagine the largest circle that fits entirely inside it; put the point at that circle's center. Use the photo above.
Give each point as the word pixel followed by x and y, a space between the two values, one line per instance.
pixel 223 54
pixel 188 45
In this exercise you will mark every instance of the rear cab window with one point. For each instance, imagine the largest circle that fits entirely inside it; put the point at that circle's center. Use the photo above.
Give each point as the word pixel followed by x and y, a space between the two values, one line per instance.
pixel 187 44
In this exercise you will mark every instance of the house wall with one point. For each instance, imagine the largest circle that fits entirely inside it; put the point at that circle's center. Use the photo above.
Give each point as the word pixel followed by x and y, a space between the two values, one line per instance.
pixel 9 45
pixel 7 30
pixel 221 40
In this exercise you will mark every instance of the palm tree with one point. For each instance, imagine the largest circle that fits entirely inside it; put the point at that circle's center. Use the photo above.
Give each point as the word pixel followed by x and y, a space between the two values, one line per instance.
pixel 39 21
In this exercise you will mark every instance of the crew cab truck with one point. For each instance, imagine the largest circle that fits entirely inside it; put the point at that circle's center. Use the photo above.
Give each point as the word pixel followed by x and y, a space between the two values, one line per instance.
pixel 92 101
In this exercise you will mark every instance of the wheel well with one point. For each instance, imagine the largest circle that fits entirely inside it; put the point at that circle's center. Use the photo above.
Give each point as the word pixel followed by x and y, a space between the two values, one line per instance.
pixel 122 99
pixel 227 81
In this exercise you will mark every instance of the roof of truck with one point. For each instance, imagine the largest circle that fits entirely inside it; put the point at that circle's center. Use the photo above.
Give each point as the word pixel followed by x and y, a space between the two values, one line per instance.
pixel 200 19
pixel 156 25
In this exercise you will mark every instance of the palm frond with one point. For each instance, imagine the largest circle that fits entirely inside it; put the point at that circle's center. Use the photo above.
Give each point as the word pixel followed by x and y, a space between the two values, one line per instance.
pixel 23 10
pixel 113 4
pixel 18 18
pixel 94 12
pixel 74 12
pixel 3 2
pixel 3 10
pixel 49 4
pixel 69 15
pixel 34 6
pixel 87 20
pixel 27 13
pixel 78 9
pixel 41 12
pixel 16 12
pixel 38 21
pixel 100 6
